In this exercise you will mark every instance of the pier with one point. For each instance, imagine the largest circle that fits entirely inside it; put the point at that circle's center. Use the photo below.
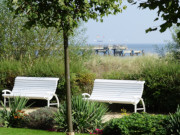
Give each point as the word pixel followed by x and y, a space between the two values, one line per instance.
pixel 116 50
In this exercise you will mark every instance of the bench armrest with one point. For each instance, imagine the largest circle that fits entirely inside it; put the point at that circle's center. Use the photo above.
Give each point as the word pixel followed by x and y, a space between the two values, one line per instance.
pixel 6 91
pixel 49 92
pixel 136 97
pixel 85 94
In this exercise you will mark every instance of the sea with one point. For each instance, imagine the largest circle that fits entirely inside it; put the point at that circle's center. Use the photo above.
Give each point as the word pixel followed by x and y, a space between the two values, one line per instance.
pixel 148 48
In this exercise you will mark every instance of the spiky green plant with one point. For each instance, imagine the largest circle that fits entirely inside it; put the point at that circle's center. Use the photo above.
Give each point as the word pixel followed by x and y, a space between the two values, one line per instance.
pixel 174 122
pixel 86 115
pixel 13 117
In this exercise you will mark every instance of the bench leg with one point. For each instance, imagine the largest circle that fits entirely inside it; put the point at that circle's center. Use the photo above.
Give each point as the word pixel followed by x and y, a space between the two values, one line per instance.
pixel 4 102
pixel 135 108
pixel 57 100
pixel 143 105
pixel 48 103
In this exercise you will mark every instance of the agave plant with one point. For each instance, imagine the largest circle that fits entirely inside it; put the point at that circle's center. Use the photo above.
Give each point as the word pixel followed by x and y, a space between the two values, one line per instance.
pixel 174 122
pixel 86 115
pixel 13 117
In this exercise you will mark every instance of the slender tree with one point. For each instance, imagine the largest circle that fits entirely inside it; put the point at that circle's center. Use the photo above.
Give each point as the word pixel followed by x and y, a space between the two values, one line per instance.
pixel 64 15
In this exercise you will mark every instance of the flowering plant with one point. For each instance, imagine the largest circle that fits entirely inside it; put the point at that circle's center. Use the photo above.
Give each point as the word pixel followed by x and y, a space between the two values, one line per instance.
pixel 97 132
pixel 19 114
pixel 14 116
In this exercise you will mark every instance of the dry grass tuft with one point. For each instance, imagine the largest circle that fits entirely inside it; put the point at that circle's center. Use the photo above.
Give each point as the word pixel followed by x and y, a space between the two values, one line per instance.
pixel 101 65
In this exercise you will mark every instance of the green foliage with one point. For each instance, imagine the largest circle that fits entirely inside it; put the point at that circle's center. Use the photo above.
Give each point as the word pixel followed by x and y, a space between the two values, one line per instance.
pixel 80 82
pixel 14 117
pixel 86 115
pixel 168 10
pixel 9 69
pixel 174 47
pixel 85 81
pixel 137 124
pixel 162 86
pixel 63 15
pixel 16 42
pixel 1 119
pixel 174 122
pixel 19 43
pixel 40 119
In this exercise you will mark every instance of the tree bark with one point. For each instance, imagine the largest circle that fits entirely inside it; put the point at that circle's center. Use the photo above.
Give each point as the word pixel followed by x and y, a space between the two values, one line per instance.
pixel 67 84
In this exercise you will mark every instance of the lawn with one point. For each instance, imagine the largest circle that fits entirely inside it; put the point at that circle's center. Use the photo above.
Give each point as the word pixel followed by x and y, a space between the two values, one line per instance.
pixel 21 131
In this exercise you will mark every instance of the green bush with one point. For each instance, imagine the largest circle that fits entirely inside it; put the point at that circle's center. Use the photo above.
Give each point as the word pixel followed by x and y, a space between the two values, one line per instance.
pixel 86 115
pixel 137 124
pixel 174 123
pixel 85 81
pixel 162 86
pixel 42 118
pixel 174 47
pixel 1 119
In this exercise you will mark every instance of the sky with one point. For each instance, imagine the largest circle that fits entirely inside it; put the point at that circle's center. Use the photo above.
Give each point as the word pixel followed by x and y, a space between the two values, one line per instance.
pixel 127 27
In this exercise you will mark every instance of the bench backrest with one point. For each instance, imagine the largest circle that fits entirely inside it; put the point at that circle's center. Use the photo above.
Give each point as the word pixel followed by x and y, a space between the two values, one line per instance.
pixel 114 89
pixel 35 85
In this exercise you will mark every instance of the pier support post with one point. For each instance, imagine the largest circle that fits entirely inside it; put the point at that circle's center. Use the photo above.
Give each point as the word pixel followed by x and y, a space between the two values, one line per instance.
pixel 132 53
pixel 142 52
pixel 97 51
pixel 114 52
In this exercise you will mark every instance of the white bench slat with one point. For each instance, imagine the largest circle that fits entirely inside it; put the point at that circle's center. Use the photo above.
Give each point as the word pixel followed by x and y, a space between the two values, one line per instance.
pixel 117 91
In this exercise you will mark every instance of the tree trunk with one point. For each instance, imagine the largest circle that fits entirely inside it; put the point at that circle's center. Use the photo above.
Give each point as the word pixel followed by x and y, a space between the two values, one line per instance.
pixel 67 84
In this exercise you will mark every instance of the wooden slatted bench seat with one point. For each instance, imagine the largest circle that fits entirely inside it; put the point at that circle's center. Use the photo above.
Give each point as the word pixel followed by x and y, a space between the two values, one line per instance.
pixel 33 88
pixel 117 91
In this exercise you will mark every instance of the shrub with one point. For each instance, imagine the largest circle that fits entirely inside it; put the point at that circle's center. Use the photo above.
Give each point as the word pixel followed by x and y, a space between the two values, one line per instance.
pixel 1 119
pixel 14 117
pixel 86 115
pixel 40 119
pixel 85 81
pixel 162 86
pixel 174 123
pixel 136 124
pixel 174 47
pixel 80 82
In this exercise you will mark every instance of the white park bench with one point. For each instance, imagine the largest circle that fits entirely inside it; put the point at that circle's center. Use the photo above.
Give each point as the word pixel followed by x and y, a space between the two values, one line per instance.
pixel 33 88
pixel 117 91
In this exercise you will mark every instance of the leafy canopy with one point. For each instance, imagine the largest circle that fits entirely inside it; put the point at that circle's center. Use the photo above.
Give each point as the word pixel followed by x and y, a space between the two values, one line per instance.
pixel 64 14
pixel 168 10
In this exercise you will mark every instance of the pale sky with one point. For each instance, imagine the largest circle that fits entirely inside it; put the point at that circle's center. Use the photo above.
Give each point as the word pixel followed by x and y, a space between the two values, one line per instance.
pixel 127 28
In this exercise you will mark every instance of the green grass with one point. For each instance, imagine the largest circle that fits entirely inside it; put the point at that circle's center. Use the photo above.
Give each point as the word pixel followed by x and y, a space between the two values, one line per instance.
pixel 21 131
